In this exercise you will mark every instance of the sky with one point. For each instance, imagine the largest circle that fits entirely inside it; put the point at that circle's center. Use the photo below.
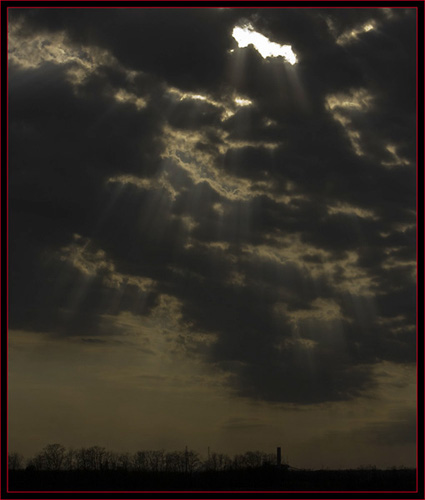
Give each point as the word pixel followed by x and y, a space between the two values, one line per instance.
pixel 212 231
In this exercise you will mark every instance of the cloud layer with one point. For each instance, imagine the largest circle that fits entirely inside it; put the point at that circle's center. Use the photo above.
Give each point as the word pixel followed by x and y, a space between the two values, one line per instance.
pixel 271 206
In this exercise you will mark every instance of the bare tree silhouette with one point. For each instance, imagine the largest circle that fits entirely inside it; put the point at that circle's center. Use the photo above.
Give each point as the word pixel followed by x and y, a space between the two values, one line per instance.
pixel 51 457
pixel 15 461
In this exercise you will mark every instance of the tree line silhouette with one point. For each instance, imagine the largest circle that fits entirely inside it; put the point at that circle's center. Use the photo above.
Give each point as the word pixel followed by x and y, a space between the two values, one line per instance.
pixel 55 457
pixel 94 468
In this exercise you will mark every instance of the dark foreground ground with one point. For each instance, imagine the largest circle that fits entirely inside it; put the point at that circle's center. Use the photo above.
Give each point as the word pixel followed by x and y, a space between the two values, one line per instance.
pixel 253 479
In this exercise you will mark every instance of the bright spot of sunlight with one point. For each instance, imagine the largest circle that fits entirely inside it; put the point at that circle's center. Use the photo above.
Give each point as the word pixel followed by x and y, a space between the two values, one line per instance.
pixel 248 36
pixel 239 101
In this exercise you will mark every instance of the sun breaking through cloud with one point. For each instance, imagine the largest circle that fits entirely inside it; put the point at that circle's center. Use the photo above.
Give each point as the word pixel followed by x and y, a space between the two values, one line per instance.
pixel 246 35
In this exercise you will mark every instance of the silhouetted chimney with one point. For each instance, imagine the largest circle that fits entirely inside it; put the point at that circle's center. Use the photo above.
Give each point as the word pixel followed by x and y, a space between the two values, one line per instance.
pixel 279 456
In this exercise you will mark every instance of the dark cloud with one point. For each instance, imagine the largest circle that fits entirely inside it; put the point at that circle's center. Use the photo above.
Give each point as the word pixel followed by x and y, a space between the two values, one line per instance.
pixel 193 115
pixel 250 162
pixel 184 47
pixel 277 236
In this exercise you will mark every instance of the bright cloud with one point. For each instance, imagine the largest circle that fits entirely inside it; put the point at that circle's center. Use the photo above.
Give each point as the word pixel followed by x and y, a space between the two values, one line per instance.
pixel 248 36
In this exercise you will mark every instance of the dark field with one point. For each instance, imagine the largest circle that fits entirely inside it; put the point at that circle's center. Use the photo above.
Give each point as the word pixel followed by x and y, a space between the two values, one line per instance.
pixel 262 478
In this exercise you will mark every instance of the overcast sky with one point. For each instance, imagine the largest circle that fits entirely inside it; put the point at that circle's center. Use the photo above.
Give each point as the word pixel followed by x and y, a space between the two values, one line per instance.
pixel 213 231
